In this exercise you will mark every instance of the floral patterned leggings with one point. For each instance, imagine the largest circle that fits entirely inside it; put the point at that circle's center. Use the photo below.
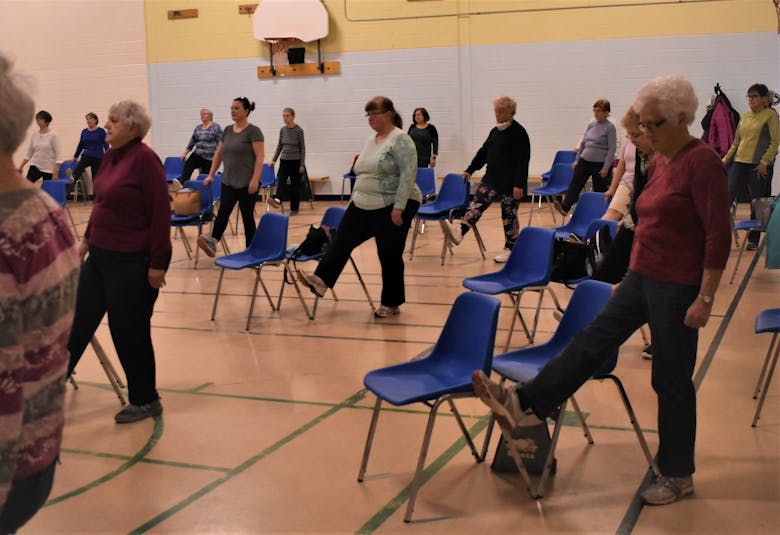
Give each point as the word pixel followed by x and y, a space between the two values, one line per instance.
pixel 483 198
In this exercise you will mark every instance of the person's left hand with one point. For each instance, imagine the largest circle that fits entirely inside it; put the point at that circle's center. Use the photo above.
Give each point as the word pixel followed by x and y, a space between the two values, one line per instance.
pixel 698 314
pixel 254 185
pixel 517 193
pixel 432 163
pixel 301 169
pixel 603 173
pixel 395 217
pixel 156 278
pixel 761 169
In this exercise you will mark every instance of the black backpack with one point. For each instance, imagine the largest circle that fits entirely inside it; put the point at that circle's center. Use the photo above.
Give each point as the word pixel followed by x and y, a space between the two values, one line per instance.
pixel 317 241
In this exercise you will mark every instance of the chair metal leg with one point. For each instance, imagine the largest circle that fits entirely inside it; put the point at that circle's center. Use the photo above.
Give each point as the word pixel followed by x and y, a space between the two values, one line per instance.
pixel 185 242
pixel 216 294
pixel 294 275
pixel 110 371
pixel 479 458
pixel 252 299
pixel 581 418
pixel 550 459
pixel 414 486
pixel 362 283
pixel 480 243
pixel 531 213
pixel 517 314
pixel 414 238
pixel 768 379
pixel 72 223
pixel 369 440
pixel 765 366
pixel 281 291
pixel 739 257
pixel 638 430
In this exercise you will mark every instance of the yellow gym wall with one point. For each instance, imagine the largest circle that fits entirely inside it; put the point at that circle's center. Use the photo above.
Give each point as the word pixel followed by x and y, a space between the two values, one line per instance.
pixel 220 32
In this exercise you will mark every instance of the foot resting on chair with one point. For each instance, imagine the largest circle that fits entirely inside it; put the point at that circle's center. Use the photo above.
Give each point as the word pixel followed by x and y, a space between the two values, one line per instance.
pixel 453 231
pixel 208 245
pixel 275 202
pixel 313 282
pixel 503 403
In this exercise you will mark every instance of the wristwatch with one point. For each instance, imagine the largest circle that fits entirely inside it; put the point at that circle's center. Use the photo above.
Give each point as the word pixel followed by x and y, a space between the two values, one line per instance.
pixel 706 298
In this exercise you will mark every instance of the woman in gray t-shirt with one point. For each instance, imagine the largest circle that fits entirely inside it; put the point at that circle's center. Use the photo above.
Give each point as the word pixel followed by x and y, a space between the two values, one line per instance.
pixel 241 149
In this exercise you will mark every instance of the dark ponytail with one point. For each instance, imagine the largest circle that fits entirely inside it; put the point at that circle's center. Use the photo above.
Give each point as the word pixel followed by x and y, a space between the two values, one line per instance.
pixel 248 105
pixel 382 104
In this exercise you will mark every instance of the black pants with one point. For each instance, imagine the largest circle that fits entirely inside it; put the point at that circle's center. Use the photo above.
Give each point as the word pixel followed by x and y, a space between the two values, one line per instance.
pixel 246 203
pixel 290 169
pixel 33 174
pixel 358 226
pixel 637 300
pixel 25 498
pixel 118 284
pixel 582 171
pixel 194 162
pixel 84 162
pixel 614 266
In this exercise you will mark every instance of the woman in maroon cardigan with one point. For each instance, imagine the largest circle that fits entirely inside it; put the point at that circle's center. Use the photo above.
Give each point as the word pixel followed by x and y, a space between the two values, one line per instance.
pixel 129 245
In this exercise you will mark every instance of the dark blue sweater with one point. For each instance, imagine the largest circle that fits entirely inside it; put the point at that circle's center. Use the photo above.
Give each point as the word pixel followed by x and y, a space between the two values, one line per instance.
pixel 92 142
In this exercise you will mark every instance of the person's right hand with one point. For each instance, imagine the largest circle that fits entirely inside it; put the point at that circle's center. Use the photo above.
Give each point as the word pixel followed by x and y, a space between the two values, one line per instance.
pixel 208 180
pixel 271 164
pixel 74 160
pixel 183 155
pixel 466 177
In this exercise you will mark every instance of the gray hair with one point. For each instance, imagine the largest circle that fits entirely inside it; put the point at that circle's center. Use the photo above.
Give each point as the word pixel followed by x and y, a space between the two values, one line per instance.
pixel 289 110
pixel 206 110
pixel 506 103
pixel 673 94
pixel 16 106
pixel 133 115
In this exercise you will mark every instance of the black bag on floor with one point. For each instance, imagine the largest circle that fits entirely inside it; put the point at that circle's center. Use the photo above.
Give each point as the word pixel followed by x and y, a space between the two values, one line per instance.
pixel 572 260
pixel 533 460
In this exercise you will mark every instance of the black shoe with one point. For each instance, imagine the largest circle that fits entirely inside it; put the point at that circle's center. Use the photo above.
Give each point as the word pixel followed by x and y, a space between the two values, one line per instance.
pixel 134 413
pixel 752 246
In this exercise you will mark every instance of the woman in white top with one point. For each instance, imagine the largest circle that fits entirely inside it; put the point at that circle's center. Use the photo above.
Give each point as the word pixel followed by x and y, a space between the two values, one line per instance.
pixel 619 193
pixel 44 152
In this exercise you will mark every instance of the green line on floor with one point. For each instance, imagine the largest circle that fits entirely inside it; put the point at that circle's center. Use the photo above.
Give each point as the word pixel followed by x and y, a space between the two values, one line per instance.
pixel 393 505
pixel 246 464
pixel 174 464
pixel 140 454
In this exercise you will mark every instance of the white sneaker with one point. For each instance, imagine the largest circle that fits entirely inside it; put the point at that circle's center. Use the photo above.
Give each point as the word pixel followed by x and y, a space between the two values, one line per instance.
pixel 503 256
pixel 453 232
pixel 175 185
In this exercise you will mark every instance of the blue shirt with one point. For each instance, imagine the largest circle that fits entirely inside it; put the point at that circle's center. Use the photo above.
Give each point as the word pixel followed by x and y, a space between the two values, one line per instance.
pixel 92 143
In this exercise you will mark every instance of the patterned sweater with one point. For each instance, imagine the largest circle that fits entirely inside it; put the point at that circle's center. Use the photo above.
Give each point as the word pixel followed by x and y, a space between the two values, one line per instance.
pixel 39 268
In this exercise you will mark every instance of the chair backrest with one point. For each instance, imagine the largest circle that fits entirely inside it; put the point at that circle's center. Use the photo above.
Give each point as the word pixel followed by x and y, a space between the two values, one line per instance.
pixel 56 188
pixel 453 190
pixel 564 156
pixel 560 176
pixel 270 239
pixel 426 180
pixel 467 341
pixel 590 206
pixel 532 255
pixel 332 217
pixel 62 174
pixel 597 224
pixel 586 302
pixel 216 187
pixel 206 197
pixel 267 177
pixel 174 166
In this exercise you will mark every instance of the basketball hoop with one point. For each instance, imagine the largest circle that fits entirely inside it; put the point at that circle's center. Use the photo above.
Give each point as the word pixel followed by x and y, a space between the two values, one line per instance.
pixel 280 45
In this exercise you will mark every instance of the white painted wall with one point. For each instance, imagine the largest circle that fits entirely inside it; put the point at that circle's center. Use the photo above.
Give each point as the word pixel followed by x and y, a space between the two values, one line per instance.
pixel 84 54
pixel 555 85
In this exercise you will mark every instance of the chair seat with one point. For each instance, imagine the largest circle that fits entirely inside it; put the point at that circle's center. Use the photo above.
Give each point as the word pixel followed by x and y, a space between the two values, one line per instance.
pixel 522 366
pixel 499 282
pixel 436 210
pixel 244 260
pixel 750 224
pixel 549 190
pixel 416 381
pixel 183 220
pixel 305 258
pixel 768 321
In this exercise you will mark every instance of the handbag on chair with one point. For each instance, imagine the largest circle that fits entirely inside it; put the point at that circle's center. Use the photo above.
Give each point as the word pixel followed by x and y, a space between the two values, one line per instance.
pixel 185 202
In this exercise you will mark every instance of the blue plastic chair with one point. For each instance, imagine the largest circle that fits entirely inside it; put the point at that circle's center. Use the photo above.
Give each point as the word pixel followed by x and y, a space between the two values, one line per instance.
pixel 767 321
pixel 453 195
pixel 349 176
pixel 62 174
pixel 57 190
pixel 558 183
pixel 528 268
pixel 331 219
pixel 747 226
pixel 522 365
pixel 589 207
pixel 465 344
pixel 174 167
pixel 426 181
pixel 205 215
pixel 267 181
pixel 78 184
pixel 268 247
pixel 561 157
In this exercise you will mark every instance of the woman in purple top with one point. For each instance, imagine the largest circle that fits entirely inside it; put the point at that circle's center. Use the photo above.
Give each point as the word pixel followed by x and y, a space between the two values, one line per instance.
pixel 594 156
pixel 91 148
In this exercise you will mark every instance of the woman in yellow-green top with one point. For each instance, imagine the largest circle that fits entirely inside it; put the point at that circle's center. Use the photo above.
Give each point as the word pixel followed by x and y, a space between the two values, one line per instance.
pixel 753 151
pixel 384 202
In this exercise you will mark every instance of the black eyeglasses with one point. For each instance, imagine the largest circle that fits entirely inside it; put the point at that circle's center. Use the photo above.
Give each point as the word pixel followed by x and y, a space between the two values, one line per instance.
pixel 651 125
pixel 368 114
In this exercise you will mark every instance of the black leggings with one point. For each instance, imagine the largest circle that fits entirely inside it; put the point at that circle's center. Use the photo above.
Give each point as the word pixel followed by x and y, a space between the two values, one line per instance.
pixel 192 163
pixel 246 203
pixel 26 496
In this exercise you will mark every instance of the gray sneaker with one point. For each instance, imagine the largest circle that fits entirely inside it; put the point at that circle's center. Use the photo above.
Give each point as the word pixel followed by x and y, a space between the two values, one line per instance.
pixel 134 413
pixel 313 282
pixel 208 245
pixel 666 490
pixel 386 311
pixel 453 232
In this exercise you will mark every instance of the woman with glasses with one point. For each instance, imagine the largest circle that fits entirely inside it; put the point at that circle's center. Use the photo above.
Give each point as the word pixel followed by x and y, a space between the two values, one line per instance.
pixel 242 151
pixel 383 204
pixel 680 249
pixel 594 157
pixel 753 152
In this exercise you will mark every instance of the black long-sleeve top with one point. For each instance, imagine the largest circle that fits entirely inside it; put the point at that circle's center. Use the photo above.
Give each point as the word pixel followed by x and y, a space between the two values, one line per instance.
pixel 506 153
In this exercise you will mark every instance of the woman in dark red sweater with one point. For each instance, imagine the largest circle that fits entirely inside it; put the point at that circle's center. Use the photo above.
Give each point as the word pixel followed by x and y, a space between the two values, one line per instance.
pixel 129 246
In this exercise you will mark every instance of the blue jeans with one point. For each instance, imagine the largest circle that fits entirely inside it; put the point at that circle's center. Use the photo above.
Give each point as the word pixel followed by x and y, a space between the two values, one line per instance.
pixel 637 300
pixel 742 175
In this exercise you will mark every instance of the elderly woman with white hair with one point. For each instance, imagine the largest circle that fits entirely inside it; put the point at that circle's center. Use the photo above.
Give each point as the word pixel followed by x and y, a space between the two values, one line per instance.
pixel 506 152
pixel 680 249
pixel 129 246
pixel 39 269
pixel 201 147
